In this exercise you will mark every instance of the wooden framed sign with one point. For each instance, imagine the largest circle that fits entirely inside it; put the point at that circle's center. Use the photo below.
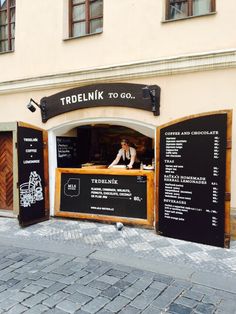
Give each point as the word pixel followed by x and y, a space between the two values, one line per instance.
pixel 105 195
pixel 194 178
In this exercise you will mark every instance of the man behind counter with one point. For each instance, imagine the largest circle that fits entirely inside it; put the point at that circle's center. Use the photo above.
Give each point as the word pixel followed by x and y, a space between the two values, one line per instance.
pixel 126 156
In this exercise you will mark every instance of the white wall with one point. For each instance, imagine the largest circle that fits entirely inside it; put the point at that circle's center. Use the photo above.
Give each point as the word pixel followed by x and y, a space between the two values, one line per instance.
pixel 133 31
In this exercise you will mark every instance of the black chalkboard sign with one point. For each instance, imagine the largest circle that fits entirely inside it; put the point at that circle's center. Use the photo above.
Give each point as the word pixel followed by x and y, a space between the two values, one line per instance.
pixel 112 195
pixel 192 180
pixel 31 175
pixel 67 152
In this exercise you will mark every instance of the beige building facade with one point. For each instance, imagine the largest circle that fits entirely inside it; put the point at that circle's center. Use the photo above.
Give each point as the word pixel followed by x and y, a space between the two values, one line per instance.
pixel 191 58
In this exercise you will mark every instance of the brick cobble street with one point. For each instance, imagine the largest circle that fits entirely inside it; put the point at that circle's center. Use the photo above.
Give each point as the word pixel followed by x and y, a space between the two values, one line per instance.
pixel 37 282
pixel 45 272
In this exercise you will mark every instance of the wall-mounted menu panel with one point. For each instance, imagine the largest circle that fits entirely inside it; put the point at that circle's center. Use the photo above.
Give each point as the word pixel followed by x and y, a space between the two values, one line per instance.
pixel 67 152
pixel 192 179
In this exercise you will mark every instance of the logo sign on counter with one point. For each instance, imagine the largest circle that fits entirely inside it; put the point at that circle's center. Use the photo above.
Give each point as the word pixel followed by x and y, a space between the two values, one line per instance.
pixel 112 94
pixel 112 195
pixel 31 175
pixel 192 180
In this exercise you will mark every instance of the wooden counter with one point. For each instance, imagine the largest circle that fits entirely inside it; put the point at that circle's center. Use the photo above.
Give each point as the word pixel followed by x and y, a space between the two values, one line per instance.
pixel 109 195
pixel 94 167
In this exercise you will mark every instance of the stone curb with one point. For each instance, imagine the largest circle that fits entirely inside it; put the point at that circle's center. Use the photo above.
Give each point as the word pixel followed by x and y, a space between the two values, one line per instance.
pixel 46 246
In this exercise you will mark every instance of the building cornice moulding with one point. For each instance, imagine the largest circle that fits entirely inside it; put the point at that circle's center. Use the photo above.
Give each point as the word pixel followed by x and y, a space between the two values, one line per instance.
pixel 160 67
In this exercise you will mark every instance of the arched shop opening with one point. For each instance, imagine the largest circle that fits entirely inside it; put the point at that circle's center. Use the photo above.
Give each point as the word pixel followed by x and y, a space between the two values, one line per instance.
pixel 94 144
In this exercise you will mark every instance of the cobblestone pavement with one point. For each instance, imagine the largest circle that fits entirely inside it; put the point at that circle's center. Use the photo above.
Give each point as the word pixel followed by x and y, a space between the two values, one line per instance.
pixel 142 243
pixel 34 282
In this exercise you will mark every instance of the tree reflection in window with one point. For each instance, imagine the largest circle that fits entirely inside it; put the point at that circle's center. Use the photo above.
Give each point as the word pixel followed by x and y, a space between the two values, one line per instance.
pixel 177 9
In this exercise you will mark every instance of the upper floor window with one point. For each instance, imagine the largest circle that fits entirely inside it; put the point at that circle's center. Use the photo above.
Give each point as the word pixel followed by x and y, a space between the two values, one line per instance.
pixel 7 25
pixel 86 17
pixel 177 9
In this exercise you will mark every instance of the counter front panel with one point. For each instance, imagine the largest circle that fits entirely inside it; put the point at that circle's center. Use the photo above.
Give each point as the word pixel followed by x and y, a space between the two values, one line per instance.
pixel 104 194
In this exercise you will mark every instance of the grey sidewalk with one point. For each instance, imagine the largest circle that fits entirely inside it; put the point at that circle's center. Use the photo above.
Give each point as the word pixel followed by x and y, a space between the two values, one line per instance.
pixel 44 271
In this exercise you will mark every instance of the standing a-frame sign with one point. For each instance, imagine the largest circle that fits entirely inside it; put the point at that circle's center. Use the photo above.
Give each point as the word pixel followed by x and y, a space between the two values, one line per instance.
pixel 32 174
pixel 194 179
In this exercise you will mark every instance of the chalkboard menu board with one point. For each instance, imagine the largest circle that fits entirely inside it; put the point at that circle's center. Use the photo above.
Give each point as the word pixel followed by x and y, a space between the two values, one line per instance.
pixel 112 195
pixel 31 175
pixel 67 152
pixel 192 180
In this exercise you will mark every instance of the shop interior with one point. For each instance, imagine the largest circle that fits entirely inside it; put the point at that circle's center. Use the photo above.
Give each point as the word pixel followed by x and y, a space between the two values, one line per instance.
pixel 98 144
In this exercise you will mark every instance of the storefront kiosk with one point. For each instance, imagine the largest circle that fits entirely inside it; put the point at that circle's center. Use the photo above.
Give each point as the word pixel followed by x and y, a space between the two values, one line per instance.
pixel 185 188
